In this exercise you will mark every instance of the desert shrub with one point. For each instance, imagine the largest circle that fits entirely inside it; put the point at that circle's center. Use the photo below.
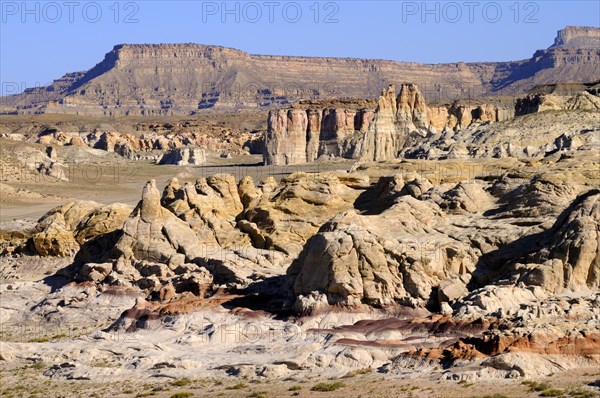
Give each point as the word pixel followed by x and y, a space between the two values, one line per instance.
pixel 237 386
pixel 182 395
pixel 551 393
pixel 536 386
pixel 324 387
pixel 181 382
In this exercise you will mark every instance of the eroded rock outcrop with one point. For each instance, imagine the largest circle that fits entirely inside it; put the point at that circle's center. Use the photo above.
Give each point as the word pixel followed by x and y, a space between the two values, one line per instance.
pixel 64 229
pixel 288 214
pixel 404 125
pixel 184 156
pixel 569 257
pixel 296 136
pixel 358 259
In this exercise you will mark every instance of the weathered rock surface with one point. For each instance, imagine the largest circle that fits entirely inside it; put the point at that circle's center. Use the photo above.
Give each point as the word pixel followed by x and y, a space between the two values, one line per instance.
pixel 358 259
pixel 184 156
pixel 296 136
pixel 64 229
pixel 404 125
pixel 260 80
pixel 290 213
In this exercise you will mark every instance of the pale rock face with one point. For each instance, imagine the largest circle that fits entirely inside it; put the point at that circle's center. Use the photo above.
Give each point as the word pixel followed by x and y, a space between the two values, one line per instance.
pixel 153 233
pixel 438 118
pixel 397 256
pixel 285 142
pixel 248 193
pixel 411 107
pixel 491 299
pixel 313 133
pixel 290 213
pixel 184 156
pixel 62 230
pixel 466 197
pixel 168 249
pixel 402 123
pixel 570 253
pixel 584 101
pixel 547 102
pixel 298 136
pixel 209 207
pixel 381 142
pixel 349 266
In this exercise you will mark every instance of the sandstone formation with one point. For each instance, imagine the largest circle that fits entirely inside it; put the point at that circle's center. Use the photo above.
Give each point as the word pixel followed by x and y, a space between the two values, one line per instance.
pixel 134 139
pixel 298 136
pixel 477 262
pixel 63 230
pixel 453 276
pixel 303 134
pixel 183 157
pixel 107 89
pixel 577 37
pixel 404 126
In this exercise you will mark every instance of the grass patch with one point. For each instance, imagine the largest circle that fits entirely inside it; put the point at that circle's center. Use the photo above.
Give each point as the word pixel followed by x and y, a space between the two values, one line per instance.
pixel 358 372
pixel 493 396
pixel 181 382
pixel 258 395
pixel 38 365
pixel 145 394
pixel 104 364
pixel 182 395
pixel 324 387
pixel 39 340
pixel 295 388
pixel 536 386
pixel 237 386
pixel 581 393
pixel 552 393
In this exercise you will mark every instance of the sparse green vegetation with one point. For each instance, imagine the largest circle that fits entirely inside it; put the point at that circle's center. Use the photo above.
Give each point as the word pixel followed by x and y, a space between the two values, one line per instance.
pixel 581 393
pixel 145 394
pixel 261 394
pixel 182 395
pixel 237 386
pixel 536 386
pixel 324 387
pixel 39 340
pixel 181 382
pixel 358 372
pixel 295 388
pixel 552 393
pixel 104 363
pixel 38 365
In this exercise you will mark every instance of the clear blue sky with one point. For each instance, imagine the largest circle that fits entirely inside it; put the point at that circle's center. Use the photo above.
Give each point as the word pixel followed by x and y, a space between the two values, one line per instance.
pixel 44 40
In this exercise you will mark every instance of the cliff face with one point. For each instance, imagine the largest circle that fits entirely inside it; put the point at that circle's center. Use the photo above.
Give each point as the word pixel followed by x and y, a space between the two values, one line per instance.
pixel 166 79
pixel 303 135
pixel 578 37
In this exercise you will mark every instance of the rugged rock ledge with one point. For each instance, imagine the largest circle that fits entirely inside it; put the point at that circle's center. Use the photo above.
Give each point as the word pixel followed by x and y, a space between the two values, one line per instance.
pixel 124 83
pixel 404 125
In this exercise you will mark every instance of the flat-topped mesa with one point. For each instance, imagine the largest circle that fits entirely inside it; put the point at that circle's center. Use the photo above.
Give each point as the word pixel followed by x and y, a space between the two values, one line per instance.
pixel 126 52
pixel 577 37
pixel 184 79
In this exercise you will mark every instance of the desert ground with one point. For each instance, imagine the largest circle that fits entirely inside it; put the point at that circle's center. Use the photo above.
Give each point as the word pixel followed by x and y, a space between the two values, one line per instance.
pixel 356 247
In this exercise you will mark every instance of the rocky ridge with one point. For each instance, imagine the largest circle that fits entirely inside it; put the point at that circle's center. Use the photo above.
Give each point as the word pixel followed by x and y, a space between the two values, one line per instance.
pixel 404 125
pixel 124 82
